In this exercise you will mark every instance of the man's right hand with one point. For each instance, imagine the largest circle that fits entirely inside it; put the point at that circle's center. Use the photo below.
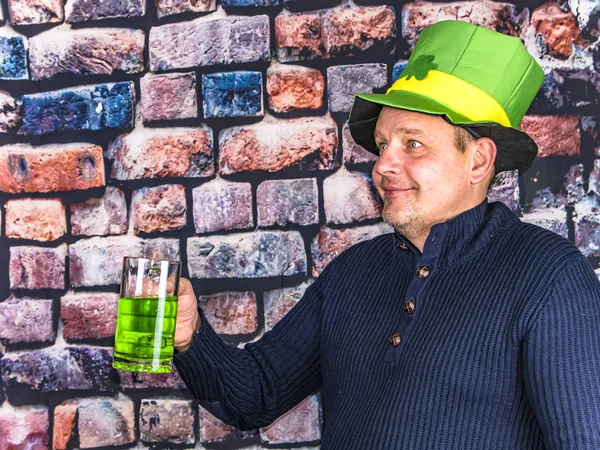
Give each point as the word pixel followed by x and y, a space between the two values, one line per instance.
pixel 188 318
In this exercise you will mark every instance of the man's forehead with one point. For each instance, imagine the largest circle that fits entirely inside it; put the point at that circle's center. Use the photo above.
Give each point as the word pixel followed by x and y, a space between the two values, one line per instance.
pixel 401 121
pixel 405 128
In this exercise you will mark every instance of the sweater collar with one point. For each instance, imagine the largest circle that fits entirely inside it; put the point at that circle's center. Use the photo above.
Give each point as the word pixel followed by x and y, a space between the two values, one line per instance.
pixel 458 238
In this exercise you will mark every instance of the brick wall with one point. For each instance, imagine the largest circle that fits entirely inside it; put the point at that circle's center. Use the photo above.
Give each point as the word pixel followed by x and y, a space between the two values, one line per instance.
pixel 163 128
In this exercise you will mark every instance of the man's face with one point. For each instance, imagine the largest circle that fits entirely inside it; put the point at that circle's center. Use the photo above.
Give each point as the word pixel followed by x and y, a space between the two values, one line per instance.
pixel 421 176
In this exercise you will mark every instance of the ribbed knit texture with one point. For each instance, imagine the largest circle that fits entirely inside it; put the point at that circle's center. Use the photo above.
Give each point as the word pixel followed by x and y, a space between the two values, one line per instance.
pixel 501 352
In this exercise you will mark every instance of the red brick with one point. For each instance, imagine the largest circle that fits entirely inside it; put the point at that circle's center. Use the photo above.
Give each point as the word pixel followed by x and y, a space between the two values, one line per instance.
pixel 50 168
pixel 279 302
pixel 169 7
pixel 86 51
pixel 350 197
pixel 209 40
pixel 162 152
pixel 545 198
pixel 64 420
pixel 88 315
pixel 554 135
pixel 292 88
pixel 587 226
pixel 106 422
pixel 498 16
pixel 354 153
pixel 329 243
pixel 214 430
pixel 301 424
pixel 26 320
pixel 247 255
pixel 574 184
pixel 37 219
pixel 134 380
pixel 553 219
pixel 558 29
pixel 587 12
pixel 37 267
pixel 168 96
pixel 222 205
pixel 345 30
pixel 167 421
pixel 24 429
pixel 29 12
pixel 505 189
pixel 587 237
pixel 275 144
pixel 594 181
pixel 10 112
pixel 570 82
pixel 98 261
pixel 344 82
pixel 59 368
pixel 160 208
pixel 298 36
pixel 230 312
pixel 100 216
pixel 283 202
pixel 88 10
pixel 348 30
pixel 590 127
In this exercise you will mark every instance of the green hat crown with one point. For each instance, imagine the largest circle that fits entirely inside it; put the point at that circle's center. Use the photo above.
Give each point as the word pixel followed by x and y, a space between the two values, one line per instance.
pixel 496 63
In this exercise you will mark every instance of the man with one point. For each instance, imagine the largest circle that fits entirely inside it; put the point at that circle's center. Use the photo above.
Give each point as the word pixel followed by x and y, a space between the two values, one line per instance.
pixel 463 329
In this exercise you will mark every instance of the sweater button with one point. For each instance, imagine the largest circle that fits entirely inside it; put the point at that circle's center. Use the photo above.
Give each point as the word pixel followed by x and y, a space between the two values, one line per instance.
pixel 423 272
pixel 396 339
pixel 403 246
pixel 409 306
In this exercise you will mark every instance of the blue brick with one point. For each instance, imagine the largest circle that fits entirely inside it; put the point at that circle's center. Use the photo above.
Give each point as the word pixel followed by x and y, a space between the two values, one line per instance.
pixel 98 107
pixel 13 62
pixel 232 94
pixel 398 69
pixel 240 3
pixel 117 105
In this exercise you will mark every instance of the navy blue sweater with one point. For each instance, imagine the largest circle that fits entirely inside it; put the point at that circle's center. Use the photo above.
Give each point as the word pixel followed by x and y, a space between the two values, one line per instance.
pixel 499 349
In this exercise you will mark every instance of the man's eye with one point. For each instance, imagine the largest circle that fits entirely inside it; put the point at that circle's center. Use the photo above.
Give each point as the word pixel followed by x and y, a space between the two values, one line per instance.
pixel 381 147
pixel 414 144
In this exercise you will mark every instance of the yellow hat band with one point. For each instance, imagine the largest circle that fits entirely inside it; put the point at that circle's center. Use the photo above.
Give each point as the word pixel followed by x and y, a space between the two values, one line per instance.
pixel 458 95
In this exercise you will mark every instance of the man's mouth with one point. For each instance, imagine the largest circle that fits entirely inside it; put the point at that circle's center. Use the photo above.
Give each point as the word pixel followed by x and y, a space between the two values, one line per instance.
pixel 396 191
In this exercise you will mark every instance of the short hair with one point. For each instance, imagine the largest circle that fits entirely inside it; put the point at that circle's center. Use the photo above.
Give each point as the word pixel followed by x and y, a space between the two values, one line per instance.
pixel 462 139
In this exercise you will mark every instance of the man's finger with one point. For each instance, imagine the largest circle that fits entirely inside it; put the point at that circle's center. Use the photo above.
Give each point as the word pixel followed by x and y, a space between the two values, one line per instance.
pixel 185 287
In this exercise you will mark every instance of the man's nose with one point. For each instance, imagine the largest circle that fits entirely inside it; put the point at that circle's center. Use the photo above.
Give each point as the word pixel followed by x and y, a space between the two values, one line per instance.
pixel 388 162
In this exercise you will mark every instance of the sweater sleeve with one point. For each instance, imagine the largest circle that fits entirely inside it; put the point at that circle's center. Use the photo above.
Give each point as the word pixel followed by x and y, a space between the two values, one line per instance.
pixel 562 360
pixel 250 387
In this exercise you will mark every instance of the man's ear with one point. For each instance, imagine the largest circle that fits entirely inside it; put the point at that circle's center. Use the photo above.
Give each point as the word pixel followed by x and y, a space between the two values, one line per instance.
pixel 483 155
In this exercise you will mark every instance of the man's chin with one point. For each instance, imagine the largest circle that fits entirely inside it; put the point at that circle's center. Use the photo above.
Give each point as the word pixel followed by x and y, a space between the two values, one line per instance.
pixel 397 221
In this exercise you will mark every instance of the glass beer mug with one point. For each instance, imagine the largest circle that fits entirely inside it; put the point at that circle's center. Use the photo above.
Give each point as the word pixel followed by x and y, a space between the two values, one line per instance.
pixel 147 315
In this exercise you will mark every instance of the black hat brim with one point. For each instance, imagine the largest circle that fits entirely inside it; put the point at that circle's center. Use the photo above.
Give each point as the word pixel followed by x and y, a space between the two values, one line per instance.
pixel 515 149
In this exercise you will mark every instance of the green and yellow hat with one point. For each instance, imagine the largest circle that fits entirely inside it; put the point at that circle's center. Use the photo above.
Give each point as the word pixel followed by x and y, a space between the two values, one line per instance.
pixel 474 77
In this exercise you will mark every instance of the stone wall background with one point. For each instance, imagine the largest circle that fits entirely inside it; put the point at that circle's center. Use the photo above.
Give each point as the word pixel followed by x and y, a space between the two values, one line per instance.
pixel 215 133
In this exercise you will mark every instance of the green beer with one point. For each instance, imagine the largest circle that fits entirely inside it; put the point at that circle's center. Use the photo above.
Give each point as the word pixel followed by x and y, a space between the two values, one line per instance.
pixel 147 315
pixel 145 334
